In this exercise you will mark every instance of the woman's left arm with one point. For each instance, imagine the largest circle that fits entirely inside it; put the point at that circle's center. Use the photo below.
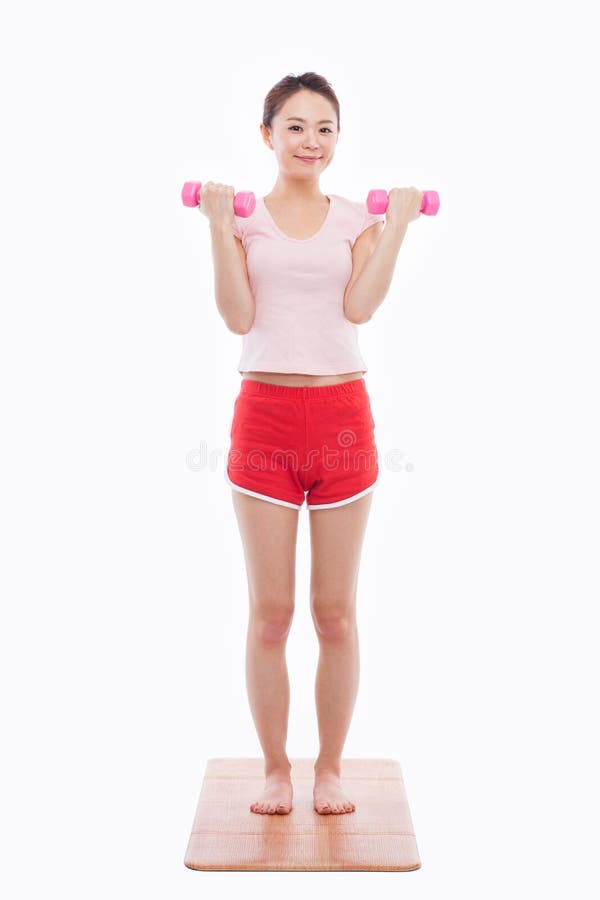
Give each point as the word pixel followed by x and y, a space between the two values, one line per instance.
pixel 370 288
pixel 372 284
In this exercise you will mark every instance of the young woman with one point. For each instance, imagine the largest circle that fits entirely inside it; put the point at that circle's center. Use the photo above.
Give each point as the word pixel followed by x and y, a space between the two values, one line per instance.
pixel 295 279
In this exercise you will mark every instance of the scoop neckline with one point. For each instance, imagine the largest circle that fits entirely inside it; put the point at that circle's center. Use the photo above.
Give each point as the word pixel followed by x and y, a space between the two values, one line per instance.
pixel 298 240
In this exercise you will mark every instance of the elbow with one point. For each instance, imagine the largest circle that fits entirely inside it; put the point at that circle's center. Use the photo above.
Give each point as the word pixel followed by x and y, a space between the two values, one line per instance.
pixel 237 328
pixel 353 317
pixel 238 319
pixel 357 320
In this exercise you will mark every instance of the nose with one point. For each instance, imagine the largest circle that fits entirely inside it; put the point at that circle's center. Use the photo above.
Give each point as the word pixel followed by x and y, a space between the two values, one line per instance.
pixel 310 141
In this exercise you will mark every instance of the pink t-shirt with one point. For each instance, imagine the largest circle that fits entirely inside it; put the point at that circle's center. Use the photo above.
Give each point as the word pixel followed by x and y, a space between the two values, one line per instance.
pixel 298 288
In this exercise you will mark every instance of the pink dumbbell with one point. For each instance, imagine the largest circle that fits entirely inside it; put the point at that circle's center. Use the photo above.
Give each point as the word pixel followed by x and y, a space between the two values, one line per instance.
pixel 243 202
pixel 377 202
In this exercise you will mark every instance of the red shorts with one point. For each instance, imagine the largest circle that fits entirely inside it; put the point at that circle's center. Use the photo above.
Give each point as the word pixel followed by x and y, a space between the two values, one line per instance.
pixel 288 442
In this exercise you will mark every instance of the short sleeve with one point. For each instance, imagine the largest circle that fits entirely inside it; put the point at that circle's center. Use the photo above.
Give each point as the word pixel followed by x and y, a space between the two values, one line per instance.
pixel 237 230
pixel 369 219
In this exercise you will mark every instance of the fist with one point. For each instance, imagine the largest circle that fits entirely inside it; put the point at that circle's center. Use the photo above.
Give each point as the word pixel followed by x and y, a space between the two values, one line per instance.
pixel 404 205
pixel 216 202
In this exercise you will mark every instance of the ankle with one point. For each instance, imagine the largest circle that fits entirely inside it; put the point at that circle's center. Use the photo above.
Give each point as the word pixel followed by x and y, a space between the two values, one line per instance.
pixel 277 767
pixel 328 767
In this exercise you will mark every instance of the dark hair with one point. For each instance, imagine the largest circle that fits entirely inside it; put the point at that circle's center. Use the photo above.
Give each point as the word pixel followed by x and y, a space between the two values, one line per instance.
pixel 289 86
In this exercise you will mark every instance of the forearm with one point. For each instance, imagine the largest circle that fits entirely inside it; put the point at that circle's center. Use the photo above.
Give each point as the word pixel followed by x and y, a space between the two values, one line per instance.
pixel 371 286
pixel 233 293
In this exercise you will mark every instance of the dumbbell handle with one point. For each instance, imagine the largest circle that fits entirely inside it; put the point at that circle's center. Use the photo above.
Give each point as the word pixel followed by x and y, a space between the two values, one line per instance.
pixel 377 202
pixel 243 202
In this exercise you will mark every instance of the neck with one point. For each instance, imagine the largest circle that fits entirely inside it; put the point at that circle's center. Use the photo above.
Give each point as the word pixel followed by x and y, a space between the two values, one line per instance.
pixel 296 191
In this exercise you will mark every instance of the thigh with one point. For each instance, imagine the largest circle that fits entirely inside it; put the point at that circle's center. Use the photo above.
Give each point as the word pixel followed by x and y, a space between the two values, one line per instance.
pixel 267 442
pixel 336 538
pixel 342 454
pixel 269 532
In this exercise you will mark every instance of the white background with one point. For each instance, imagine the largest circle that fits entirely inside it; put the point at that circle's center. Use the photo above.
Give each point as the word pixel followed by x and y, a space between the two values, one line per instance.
pixel 124 591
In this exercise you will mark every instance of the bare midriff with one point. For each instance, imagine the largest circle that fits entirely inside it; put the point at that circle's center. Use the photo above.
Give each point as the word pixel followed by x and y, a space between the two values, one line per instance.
pixel 293 379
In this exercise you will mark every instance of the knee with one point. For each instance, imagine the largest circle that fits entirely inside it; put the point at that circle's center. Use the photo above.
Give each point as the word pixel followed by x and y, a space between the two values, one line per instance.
pixel 334 623
pixel 272 628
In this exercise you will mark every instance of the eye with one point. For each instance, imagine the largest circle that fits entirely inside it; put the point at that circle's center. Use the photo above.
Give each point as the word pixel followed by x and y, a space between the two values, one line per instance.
pixel 325 128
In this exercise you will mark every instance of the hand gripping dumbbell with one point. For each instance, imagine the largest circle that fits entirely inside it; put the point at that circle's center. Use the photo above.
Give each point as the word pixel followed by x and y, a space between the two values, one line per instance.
pixel 243 202
pixel 377 202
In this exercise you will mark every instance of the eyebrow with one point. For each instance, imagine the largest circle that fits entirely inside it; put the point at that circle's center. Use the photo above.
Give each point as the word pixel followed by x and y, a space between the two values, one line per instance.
pixel 304 120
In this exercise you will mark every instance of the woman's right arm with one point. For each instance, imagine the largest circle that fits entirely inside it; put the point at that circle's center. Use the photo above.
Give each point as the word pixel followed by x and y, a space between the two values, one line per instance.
pixel 235 300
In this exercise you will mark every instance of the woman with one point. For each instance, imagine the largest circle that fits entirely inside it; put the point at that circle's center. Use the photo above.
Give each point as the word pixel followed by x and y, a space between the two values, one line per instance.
pixel 295 279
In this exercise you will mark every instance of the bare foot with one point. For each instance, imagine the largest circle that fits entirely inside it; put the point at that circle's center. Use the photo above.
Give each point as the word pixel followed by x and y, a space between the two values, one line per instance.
pixel 329 798
pixel 276 796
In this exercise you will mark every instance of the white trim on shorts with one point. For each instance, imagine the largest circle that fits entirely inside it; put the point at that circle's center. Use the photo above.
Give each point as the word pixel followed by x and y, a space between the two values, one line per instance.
pixel 299 505
pixel 262 496
pixel 348 499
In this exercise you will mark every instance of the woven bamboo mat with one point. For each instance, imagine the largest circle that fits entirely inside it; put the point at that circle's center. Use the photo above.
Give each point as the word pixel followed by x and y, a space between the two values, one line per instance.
pixel 377 836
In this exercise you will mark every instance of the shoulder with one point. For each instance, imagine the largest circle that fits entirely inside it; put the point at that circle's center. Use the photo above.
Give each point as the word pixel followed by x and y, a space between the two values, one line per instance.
pixel 351 207
pixel 357 217
pixel 245 226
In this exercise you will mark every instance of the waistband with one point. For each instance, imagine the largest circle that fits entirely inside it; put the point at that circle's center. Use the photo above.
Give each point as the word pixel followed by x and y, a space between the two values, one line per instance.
pixel 250 386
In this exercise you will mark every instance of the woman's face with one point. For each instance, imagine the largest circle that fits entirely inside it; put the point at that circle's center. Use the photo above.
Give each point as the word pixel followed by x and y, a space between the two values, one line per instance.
pixel 292 139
